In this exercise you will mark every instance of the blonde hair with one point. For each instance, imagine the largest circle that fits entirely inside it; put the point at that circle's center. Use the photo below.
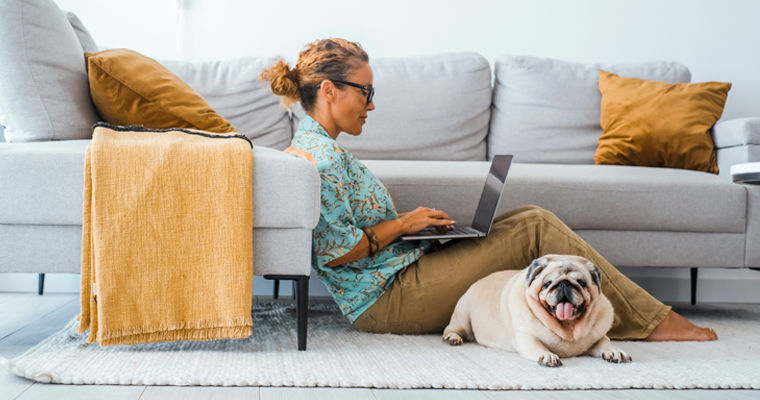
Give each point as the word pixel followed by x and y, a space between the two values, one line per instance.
pixel 319 60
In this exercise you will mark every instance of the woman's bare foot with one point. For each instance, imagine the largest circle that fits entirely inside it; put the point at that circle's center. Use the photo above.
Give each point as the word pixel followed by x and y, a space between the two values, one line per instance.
pixel 677 328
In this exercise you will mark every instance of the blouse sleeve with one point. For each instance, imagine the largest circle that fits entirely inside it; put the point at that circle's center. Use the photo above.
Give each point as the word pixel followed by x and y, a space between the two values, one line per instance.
pixel 336 233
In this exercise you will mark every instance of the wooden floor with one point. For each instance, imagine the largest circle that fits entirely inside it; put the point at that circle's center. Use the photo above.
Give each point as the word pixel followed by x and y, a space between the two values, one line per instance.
pixel 26 319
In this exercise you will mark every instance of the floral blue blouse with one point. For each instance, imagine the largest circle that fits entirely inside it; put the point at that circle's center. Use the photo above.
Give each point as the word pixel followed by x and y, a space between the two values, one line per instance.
pixel 352 197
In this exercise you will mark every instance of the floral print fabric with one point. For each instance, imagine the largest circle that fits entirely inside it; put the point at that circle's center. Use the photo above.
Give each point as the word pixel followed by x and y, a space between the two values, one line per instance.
pixel 352 198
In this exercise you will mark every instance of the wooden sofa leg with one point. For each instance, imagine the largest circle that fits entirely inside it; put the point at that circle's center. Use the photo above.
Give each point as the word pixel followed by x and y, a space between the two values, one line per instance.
pixel 41 284
pixel 693 286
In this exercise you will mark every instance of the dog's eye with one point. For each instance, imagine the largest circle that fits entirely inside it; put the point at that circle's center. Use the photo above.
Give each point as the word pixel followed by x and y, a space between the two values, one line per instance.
pixel 582 282
pixel 547 284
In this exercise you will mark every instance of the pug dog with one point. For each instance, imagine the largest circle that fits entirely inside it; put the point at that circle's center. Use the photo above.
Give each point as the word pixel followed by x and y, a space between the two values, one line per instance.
pixel 550 310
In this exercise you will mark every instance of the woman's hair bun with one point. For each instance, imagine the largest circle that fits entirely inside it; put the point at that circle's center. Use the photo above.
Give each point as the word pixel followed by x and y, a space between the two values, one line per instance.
pixel 293 75
pixel 284 82
pixel 320 60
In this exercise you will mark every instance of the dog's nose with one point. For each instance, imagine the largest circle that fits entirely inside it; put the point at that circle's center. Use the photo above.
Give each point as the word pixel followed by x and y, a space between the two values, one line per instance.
pixel 564 284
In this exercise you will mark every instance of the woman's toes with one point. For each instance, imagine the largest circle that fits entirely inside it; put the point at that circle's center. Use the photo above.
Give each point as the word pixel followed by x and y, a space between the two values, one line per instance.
pixel 677 328
pixel 709 334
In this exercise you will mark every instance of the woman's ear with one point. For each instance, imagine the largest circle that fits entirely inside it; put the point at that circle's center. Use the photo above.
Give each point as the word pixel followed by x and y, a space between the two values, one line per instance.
pixel 328 90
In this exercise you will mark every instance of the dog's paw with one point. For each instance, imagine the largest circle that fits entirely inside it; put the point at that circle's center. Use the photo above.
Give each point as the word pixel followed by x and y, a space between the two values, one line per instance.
pixel 616 356
pixel 550 360
pixel 453 339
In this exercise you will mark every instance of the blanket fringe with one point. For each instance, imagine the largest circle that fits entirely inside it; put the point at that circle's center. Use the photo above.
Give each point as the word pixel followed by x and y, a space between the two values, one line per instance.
pixel 174 328
pixel 235 332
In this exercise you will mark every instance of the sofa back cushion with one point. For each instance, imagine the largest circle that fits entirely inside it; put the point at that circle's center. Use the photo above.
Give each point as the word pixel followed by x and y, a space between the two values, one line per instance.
pixel 231 89
pixel 85 39
pixel 432 107
pixel 548 111
pixel 44 93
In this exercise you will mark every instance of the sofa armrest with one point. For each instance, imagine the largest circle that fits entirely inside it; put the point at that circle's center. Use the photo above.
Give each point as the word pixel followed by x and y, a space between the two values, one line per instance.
pixel 287 187
pixel 736 132
pixel 41 183
pixel 736 141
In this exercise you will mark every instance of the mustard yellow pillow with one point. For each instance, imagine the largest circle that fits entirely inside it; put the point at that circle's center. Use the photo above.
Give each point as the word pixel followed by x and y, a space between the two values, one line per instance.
pixel 128 88
pixel 656 124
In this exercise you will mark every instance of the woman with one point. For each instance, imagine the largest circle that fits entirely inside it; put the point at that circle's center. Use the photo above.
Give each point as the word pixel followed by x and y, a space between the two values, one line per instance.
pixel 387 285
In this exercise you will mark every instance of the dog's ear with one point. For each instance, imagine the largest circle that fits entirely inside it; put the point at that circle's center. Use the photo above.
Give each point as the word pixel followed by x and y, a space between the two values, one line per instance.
pixel 534 269
pixel 595 275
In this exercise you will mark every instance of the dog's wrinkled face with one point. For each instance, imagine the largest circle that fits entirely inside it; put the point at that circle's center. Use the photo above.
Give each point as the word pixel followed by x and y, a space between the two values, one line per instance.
pixel 566 286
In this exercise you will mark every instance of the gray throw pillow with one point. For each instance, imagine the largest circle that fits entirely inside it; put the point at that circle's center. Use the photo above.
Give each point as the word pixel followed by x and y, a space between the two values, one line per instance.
pixel 548 111
pixel 44 91
pixel 85 39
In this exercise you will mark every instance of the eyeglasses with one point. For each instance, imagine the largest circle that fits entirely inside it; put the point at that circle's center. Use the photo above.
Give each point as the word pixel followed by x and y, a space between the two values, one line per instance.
pixel 369 89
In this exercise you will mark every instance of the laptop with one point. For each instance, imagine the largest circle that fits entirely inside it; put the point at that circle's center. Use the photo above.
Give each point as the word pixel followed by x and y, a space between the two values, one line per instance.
pixel 484 216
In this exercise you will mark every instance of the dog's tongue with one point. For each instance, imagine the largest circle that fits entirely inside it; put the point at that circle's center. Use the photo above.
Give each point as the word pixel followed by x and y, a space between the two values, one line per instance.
pixel 564 310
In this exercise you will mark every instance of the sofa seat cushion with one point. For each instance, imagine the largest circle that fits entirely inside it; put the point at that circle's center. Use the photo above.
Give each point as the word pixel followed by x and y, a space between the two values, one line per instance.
pixel 590 197
pixel 43 183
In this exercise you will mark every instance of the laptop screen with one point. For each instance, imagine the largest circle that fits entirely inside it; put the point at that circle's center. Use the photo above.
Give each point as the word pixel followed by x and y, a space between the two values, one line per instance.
pixel 489 200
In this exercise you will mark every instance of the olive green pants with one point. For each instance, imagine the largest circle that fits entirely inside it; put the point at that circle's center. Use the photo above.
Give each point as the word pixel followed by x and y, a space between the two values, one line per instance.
pixel 422 297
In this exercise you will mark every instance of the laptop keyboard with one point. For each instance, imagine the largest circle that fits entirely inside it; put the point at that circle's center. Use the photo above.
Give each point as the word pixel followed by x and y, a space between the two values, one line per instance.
pixel 456 231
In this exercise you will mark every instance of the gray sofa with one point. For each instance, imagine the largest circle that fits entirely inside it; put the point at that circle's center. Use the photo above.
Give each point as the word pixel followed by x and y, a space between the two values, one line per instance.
pixel 48 118
pixel 438 120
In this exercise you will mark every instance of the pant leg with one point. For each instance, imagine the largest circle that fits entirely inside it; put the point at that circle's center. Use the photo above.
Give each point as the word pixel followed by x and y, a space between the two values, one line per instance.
pixel 423 296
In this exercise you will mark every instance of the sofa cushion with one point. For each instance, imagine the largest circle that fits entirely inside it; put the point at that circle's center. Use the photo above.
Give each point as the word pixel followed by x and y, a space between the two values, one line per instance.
pixel 129 88
pixel 43 183
pixel 231 89
pixel 591 197
pixel 44 93
pixel 427 108
pixel 548 111
pixel 668 249
pixel 655 124
pixel 83 35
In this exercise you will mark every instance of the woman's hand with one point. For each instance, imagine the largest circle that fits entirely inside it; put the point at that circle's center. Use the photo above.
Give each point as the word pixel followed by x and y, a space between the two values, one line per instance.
pixel 423 217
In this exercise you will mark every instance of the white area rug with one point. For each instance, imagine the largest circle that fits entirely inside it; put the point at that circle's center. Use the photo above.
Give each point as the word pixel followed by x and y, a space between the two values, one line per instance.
pixel 340 356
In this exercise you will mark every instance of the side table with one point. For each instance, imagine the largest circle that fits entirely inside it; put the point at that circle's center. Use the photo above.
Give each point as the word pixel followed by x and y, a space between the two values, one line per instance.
pixel 748 173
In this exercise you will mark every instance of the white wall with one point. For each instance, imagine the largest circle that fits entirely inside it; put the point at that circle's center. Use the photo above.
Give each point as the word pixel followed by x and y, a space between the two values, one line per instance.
pixel 717 39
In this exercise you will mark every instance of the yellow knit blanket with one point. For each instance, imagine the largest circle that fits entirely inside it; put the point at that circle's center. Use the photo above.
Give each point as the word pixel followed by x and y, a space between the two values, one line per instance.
pixel 167 241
